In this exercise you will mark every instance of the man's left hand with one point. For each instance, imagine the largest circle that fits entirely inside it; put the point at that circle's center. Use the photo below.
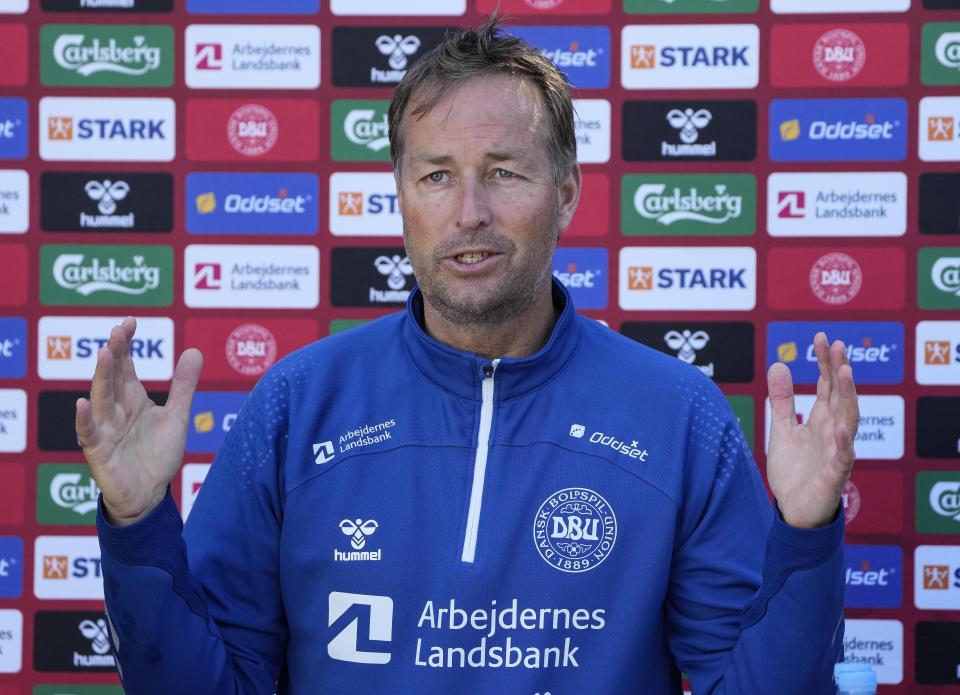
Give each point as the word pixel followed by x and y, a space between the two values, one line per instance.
pixel 808 465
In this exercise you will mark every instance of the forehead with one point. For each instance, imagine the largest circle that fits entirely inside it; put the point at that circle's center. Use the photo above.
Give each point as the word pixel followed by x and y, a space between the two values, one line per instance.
pixel 482 111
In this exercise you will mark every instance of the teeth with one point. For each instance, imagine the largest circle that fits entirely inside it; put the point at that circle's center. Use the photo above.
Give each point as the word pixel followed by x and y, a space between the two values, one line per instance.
pixel 472 257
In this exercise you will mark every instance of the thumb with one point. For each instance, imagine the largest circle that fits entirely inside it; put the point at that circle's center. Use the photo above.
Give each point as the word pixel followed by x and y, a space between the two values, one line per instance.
pixel 780 391
pixel 186 375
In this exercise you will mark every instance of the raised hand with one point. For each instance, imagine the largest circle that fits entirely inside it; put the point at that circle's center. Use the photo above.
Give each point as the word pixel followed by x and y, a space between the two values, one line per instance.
pixel 808 465
pixel 134 447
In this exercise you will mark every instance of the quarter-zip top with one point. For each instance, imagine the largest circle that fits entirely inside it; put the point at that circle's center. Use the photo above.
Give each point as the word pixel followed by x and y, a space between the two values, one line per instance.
pixel 604 569
pixel 480 462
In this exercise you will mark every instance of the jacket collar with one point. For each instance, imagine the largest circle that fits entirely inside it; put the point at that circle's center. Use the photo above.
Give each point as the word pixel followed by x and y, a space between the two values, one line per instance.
pixel 462 372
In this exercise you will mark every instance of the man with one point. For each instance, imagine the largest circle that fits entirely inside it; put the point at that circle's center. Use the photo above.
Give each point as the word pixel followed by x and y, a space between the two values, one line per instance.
pixel 486 493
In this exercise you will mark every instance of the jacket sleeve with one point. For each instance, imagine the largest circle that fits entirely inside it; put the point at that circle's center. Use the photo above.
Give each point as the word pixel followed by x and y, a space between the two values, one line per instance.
pixel 200 612
pixel 754 605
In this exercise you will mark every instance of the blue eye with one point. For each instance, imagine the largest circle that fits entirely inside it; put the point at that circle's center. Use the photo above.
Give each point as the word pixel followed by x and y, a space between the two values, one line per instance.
pixel 436 177
pixel 504 174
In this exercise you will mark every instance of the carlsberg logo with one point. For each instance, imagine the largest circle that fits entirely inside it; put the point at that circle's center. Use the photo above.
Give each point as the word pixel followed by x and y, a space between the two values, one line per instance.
pixel 74 52
pixel 716 207
pixel 948 50
pixel 945 499
pixel 362 127
pixel 72 272
pixel 71 491
pixel 946 275
pixel 688 204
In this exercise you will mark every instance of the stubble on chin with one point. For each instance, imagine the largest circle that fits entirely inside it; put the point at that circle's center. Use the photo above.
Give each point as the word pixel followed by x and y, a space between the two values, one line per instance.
pixel 516 293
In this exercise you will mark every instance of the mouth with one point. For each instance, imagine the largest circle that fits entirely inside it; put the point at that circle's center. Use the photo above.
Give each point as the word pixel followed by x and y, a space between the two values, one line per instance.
pixel 473 261
pixel 471 257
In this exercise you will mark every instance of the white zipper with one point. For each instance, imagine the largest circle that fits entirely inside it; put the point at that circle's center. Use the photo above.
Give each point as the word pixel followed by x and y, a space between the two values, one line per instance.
pixel 479 466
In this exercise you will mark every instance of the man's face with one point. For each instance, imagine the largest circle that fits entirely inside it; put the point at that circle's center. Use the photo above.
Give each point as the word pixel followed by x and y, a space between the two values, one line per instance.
pixel 481 210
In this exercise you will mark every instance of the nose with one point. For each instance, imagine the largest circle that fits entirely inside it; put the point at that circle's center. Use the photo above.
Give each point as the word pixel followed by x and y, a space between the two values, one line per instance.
pixel 474 204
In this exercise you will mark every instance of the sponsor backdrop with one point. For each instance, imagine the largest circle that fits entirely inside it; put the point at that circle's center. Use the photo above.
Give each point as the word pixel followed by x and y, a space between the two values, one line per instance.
pixel 755 170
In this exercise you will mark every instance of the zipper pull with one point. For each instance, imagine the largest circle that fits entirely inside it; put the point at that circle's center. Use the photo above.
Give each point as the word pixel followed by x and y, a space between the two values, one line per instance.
pixel 490 367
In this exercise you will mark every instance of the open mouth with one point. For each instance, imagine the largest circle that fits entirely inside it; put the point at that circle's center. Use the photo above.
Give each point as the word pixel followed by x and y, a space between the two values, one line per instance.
pixel 472 257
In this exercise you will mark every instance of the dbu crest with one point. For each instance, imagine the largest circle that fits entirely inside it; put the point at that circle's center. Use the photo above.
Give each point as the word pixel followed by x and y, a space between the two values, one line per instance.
pixel 574 529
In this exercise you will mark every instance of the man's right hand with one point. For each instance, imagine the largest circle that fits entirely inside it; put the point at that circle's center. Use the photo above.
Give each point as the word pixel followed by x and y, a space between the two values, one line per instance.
pixel 133 446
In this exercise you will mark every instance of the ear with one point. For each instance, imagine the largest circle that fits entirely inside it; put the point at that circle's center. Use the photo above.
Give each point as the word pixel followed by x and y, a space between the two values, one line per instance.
pixel 569 196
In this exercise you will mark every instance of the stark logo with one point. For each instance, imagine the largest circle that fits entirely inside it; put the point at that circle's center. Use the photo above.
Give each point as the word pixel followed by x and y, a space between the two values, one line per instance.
pixel 350 203
pixel 574 529
pixel 253 130
pixel 640 277
pixel 940 128
pixel 346 612
pixel 55 566
pixel 936 352
pixel 59 347
pixel 935 577
pixel 643 57
pixel 60 128
pixel 839 55
pixel 836 278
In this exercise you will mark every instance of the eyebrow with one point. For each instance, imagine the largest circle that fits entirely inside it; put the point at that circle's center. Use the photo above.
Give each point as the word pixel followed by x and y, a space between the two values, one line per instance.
pixel 494 156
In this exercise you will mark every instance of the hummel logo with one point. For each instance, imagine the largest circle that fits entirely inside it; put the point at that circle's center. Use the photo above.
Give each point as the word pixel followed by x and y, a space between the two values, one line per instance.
pixel 398 47
pixel 686 343
pixel 689 122
pixel 323 452
pixel 357 530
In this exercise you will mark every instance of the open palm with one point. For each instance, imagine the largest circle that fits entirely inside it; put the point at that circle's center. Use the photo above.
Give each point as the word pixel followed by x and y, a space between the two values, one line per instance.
pixel 809 464
pixel 133 446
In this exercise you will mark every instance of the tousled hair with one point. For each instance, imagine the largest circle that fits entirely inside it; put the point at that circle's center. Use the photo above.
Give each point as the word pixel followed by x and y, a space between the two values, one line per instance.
pixel 484 51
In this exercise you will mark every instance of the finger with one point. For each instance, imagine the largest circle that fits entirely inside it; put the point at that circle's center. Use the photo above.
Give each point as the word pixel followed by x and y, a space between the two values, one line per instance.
pixel 825 382
pixel 128 376
pixel 845 455
pixel 848 406
pixel 838 357
pixel 780 391
pixel 186 375
pixel 119 351
pixel 102 387
pixel 119 344
pixel 87 432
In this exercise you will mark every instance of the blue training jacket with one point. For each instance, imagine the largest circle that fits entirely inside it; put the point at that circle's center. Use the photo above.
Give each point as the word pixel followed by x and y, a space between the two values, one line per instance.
pixel 391 515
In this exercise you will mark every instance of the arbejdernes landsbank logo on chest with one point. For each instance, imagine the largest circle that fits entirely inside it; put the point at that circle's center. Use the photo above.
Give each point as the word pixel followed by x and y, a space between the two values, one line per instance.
pixel 575 529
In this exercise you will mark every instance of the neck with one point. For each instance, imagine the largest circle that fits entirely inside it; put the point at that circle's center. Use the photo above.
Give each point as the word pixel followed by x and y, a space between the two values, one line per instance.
pixel 523 335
